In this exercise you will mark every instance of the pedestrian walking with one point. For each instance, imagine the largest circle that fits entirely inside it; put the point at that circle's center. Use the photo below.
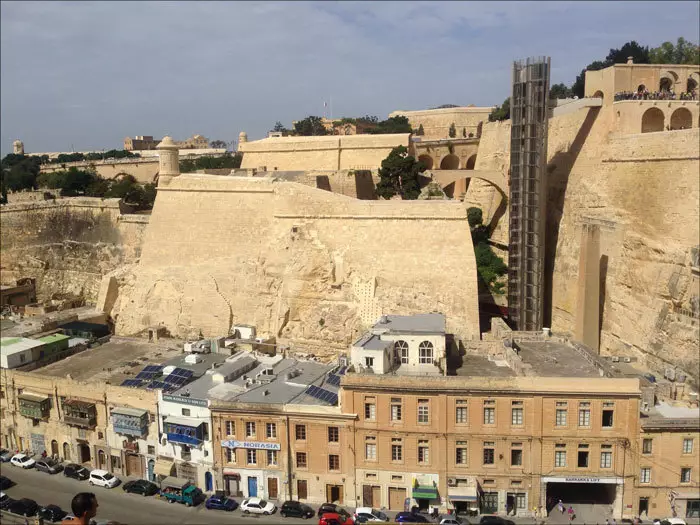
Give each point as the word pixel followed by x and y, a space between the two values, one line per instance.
pixel 84 507
pixel 607 521
pixel 561 506
pixel 571 513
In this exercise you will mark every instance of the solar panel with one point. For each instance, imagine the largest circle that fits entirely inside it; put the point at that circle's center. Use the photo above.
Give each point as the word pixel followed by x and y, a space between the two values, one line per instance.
pixel 156 384
pixel 149 372
pixel 333 380
pixel 181 372
pixel 322 394
pixel 132 382
pixel 175 381
pixel 342 370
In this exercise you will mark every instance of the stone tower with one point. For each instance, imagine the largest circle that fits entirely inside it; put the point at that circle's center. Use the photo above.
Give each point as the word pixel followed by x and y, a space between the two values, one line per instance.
pixel 18 147
pixel 168 160
pixel 242 137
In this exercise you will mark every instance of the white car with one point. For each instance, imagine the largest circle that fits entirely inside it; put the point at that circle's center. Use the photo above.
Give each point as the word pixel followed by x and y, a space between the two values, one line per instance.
pixel 102 478
pixel 257 506
pixel 22 460
pixel 370 514
pixel 451 520
pixel 670 521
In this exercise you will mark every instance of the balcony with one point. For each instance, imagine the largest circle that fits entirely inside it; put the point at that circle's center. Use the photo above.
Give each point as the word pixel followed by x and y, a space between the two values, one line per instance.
pixel 184 431
pixel 130 422
pixel 34 406
pixel 81 414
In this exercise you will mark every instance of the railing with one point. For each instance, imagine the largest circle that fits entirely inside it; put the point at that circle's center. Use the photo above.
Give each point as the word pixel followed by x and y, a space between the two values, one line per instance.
pixel 79 421
pixel 655 95
pixel 33 412
pixel 128 430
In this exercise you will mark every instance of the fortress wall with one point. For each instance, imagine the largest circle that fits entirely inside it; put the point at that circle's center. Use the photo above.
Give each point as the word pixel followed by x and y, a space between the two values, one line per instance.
pixel 284 256
pixel 436 122
pixel 67 245
pixel 144 171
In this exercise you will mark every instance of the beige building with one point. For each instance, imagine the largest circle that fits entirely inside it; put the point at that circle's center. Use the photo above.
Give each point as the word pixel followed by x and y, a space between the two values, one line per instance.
pixel 437 122
pixel 140 142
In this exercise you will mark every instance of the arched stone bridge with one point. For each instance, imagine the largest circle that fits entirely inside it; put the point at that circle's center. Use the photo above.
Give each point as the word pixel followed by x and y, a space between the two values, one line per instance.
pixel 447 177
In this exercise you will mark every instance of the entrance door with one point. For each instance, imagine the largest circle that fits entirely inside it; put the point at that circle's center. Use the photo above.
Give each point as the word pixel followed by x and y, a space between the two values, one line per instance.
pixel 208 482
pixel 84 453
pixel 643 506
pixel 301 489
pixel 272 488
pixel 376 497
pixel 396 498
pixel 489 502
pixel 334 494
pixel 231 484
pixel 371 496
pixel 510 504
pixel 151 468
pixel 133 465
pixel 66 452
pixel 252 487
pixel 54 448
pixel 101 459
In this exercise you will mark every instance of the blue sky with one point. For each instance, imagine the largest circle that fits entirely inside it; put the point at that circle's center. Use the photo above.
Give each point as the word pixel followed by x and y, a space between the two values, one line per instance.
pixel 87 74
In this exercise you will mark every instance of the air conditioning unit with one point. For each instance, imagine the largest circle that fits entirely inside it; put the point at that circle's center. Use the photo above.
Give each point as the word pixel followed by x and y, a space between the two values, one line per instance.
pixel 627 359
pixel 451 482
pixel 670 374
pixel 615 359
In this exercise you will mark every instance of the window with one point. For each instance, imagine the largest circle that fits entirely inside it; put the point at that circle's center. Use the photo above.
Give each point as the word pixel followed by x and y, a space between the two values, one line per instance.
pixel 371 448
pixel 230 455
pixel 271 430
pixel 516 455
pixel 561 413
pixel 370 409
pixel 560 456
pixel 608 411
pixel 646 446
pixel 425 353
pixel 300 432
pixel 252 456
pixel 250 429
pixel 301 459
pixel 461 412
pixel 423 411
pixel 584 414
pixel 461 453
pixel 516 413
pixel 645 475
pixel 687 445
pixel 396 407
pixel 489 452
pixel 401 348
pixel 151 450
pixel 369 362
pixel 685 475
pixel 272 457
pixel 333 462
pixel 185 411
pixel 489 412
pixel 606 456
pixel 396 449
pixel 230 428
pixel 423 451
pixel 582 456
pixel 333 435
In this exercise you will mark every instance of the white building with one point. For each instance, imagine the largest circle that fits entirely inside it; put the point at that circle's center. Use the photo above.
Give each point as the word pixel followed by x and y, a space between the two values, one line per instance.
pixel 17 351
pixel 407 344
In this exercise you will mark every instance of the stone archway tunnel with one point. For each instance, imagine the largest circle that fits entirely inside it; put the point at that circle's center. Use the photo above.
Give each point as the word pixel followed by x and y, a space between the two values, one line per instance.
pixel 446 177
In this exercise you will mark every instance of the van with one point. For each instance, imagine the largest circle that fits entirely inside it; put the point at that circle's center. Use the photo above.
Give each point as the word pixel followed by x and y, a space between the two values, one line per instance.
pixel 102 478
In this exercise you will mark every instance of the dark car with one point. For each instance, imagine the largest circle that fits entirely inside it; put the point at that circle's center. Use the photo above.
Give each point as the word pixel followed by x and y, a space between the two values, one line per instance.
pixel 141 486
pixel 332 508
pixel 410 517
pixel 72 470
pixel 5 483
pixel 294 509
pixel 52 513
pixel 23 507
pixel 5 500
pixel 494 520
pixel 221 503
pixel 50 466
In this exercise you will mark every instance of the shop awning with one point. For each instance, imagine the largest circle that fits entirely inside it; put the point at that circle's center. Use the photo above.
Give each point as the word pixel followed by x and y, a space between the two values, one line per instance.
pixel 78 403
pixel 163 467
pixel 34 398
pixel 183 421
pixel 425 492
pixel 462 493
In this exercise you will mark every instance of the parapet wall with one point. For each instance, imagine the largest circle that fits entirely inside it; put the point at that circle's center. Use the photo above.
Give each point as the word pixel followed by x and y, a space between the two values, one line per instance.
pixel 297 262
pixel 143 170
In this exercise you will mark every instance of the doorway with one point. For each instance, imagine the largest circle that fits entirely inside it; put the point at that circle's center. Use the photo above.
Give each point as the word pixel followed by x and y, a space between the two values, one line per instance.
pixel 302 489
pixel 231 485
pixel 84 453
pixel 334 494
pixel 272 488
pixel 489 502
pixel 133 465
pixel 510 504
pixel 208 482
pixel 397 497
pixel 66 452
pixel 151 469
pixel 643 506
pixel 252 486
pixel 101 459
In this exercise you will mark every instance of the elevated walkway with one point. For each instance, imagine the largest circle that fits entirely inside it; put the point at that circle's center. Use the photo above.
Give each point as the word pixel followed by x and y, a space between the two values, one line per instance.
pixel 570 105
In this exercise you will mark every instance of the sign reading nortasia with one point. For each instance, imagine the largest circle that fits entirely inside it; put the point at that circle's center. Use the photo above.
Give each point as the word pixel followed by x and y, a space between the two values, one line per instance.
pixel 582 480
pixel 231 443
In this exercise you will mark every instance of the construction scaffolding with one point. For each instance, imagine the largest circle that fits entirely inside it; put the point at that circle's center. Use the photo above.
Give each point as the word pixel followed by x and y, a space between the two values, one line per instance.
pixel 528 197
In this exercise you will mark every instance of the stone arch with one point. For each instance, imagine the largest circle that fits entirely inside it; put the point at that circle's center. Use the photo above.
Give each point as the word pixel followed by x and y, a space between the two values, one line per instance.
pixel 54 447
pixel 693 81
pixel 667 80
pixel 427 161
pixel 471 162
pixel 598 94
pixel 681 119
pixel 640 88
pixel 450 190
pixel 450 162
pixel 652 120
pixel 66 452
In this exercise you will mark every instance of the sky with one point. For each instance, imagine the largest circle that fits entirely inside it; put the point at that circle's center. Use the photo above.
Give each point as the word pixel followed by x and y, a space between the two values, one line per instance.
pixel 83 75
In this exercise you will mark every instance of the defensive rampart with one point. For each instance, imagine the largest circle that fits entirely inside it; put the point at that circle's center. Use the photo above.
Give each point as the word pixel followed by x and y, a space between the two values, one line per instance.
pixel 143 170
pixel 304 264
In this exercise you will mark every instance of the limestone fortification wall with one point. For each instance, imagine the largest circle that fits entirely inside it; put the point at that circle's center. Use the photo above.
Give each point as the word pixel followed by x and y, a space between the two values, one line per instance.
pixel 304 264
pixel 643 189
pixel 436 122
pixel 68 245
pixel 144 170
pixel 320 153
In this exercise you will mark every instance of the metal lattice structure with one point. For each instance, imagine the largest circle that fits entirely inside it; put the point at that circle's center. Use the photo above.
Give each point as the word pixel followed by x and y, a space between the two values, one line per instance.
pixel 528 197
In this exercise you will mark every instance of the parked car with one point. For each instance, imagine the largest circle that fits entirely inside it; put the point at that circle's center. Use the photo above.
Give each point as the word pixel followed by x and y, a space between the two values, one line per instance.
pixel 5 483
pixel 141 486
pixel 334 518
pixel 331 507
pixel 22 460
pixel 5 500
pixel 52 513
pixel 23 507
pixel 295 509
pixel 410 517
pixel 370 514
pixel 669 521
pixel 451 520
pixel 257 506
pixel 494 520
pixel 75 471
pixel 5 455
pixel 50 466
pixel 221 503
pixel 181 491
pixel 102 478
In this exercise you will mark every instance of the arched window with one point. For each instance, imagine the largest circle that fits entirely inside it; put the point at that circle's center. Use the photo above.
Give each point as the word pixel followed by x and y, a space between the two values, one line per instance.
pixel 66 452
pixel 665 84
pixel 425 352
pixel 691 85
pixel 449 162
pixel 641 88
pixel 681 119
pixel 652 120
pixel 427 161
pixel 401 348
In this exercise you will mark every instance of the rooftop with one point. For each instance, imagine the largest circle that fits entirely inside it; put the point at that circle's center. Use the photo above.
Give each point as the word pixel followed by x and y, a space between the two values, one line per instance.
pixel 370 341
pixel 476 365
pixel 12 345
pixel 53 337
pixel 556 359
pixel 407 324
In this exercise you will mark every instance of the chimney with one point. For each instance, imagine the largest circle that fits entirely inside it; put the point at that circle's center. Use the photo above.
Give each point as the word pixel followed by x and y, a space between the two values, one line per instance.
pixel 630 60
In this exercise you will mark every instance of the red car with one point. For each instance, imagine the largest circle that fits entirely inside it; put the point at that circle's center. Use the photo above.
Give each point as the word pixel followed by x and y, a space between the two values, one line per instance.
pixel 333 518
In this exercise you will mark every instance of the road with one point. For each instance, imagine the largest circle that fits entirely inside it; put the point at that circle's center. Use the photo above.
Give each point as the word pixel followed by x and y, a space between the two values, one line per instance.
pixel 115 504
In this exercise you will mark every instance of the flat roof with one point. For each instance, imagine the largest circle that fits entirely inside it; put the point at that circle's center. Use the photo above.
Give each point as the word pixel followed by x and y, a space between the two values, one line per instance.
pixel 476 365
pixel 418 323
pixel 13 345
pixel 53 337
pixel 555 359
pixel 126 411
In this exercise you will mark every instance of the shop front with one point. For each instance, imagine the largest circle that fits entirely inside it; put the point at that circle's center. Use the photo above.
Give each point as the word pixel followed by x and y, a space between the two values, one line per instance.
pixel 425 492
pixel 463 498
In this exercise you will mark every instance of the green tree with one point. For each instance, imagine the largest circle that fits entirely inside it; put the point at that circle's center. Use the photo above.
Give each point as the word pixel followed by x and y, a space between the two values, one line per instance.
pixel 578 87
pixel 474 216
pixel 398 124
pixel 640 54
pixel 464 132
pixel 452 131
pixel 489 266
pixel 19 172
pixel 502 112
pixel 217 144
pixel 559 91
pixel 399 175
pixel 684 52
pixel 310 127
pixel 279 127
pixel 420 131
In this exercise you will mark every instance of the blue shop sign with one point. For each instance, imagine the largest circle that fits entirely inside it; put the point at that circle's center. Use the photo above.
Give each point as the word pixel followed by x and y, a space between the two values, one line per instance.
pixel 232 443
